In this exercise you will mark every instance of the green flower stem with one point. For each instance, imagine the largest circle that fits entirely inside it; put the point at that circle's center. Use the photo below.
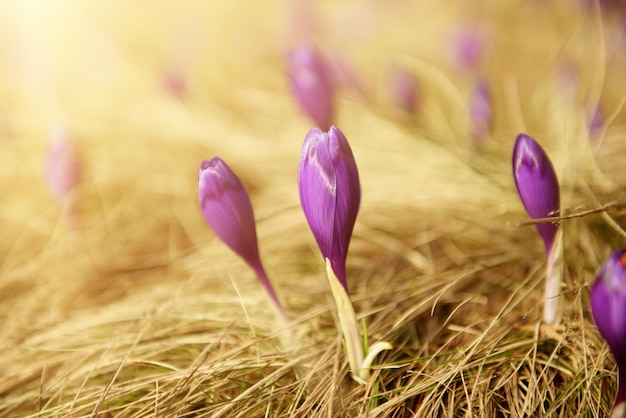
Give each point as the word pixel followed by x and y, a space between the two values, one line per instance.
pixel 359 358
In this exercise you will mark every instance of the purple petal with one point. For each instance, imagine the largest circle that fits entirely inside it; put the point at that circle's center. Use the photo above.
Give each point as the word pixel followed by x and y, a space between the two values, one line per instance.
pixel 536 184
pixel 317 184
pixel 312 84
pixel 608 306
pixel 227 209
pixel 330 194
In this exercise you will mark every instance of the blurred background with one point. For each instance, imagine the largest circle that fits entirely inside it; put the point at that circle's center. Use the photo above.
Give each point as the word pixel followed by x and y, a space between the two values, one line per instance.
pixel 107 108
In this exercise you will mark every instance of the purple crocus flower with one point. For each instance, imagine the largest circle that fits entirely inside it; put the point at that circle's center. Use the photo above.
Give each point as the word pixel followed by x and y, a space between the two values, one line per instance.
pixel 608 306
pixel 227 209
pixel 538 188
pixel 175 82
pixel 330 194
pixel 480 109
pixel 63 170
pixel 312 85
pixel 403 90
pixel 467 47
pixel 595 122
pixel 537 185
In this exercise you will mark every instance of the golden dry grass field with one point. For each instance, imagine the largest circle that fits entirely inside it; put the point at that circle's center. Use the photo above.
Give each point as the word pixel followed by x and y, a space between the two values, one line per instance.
pixel 129 306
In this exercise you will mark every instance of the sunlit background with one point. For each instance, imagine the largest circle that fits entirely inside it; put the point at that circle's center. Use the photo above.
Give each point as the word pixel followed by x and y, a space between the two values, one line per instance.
pixel 430 93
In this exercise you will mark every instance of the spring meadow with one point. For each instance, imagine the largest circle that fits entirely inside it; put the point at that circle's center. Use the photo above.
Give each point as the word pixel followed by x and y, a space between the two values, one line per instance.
pixel 299 208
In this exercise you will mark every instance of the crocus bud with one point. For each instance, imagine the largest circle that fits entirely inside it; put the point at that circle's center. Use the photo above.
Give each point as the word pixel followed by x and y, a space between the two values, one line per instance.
pixel 537 185
pixel 63 170
pixel 330 194
pixel 227 209
pixel 567 79
pixel 467 46
pixel 608 307
pixel 175 82
pixel 480 109
pixel 403 90
pixel 538 188
pixel 311 84
pixel 595 120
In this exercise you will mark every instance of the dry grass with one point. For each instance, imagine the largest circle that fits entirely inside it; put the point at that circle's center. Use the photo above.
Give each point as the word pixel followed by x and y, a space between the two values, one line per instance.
pixel 141 312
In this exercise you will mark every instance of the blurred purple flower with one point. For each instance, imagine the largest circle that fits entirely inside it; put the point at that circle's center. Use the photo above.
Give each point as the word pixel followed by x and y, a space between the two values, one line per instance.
pixel 480 108
pixel 467 47
pixel 608 306
pixel 330 194
pixel 537 185
pixel 567 78
pixel 404 90
pixel 227 209
pixel 175 82
pixel 595 120
pixel 63 170
pixel 618 5
pixel 312 84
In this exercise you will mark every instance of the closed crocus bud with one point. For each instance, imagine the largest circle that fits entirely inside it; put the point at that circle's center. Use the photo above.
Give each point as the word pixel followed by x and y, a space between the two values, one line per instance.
pixel 63 170
pixel 595 119
pixel 537 185
pixel 480 109
pixel 227 209
pixel 538 189
pixel 608 306
pixel 467 45
pixel 330 194
pixel 175 82
pixel 312 85
pixel 403 90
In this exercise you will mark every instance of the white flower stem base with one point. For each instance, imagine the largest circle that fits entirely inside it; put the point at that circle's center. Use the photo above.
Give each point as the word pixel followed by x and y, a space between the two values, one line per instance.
pixel 360 360
pixel 554 274
pixel 619 411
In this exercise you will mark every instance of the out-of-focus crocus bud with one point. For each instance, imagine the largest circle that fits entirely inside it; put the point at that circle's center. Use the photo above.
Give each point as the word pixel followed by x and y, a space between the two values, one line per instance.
pixel 608 5
pixel 608 306
pixel 404 90
pixel 538 189
pixel 567 79
pixel 63 170
pixel 175 82
pixel 480 109
pixel 595 120
pixel 312 85
pixel 227 209
pixel 467 45
pixel 330 194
